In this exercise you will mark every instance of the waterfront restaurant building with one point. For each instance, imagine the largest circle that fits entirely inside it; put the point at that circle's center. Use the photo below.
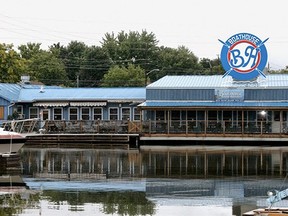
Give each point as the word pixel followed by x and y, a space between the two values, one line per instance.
pixel 215 108
pixel 69 104
pixel 192 108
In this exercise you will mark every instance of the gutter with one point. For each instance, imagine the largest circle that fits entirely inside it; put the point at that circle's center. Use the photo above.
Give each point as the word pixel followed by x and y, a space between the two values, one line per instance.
pixel 8 113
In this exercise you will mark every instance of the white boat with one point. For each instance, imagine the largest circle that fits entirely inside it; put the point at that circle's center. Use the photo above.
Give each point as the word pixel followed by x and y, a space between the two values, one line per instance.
pixel 12 184
pixel 10 142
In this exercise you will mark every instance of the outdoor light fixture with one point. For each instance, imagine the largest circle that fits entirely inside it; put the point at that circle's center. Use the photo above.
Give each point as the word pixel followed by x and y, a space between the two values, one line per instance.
pixel 263 113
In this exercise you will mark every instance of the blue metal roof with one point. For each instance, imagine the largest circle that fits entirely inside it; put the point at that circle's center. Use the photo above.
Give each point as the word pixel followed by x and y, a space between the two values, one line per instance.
pixel 9 92
pixel 211 104
pixel 216 81
pixel 81 94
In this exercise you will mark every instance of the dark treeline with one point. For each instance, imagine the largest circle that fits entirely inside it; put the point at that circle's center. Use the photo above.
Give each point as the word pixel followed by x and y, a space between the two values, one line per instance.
pixel 125 59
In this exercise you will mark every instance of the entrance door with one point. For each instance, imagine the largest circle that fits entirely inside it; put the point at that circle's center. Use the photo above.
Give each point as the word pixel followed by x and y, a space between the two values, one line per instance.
pixel 276 122
pixel 45 116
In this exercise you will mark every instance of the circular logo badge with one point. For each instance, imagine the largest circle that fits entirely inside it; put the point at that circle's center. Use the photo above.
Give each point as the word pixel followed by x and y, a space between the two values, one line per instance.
pixel 244 56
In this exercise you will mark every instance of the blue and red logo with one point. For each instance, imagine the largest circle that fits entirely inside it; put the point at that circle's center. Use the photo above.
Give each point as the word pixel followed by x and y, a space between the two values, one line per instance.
pixel 244 56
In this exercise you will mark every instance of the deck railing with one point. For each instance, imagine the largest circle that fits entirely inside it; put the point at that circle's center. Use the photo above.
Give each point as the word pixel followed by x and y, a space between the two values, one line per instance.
pixel 147 127
pixel 214 127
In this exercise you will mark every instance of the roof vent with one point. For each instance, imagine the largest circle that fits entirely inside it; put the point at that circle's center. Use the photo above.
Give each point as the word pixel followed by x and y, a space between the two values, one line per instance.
pixel 25 79
pixel 42 89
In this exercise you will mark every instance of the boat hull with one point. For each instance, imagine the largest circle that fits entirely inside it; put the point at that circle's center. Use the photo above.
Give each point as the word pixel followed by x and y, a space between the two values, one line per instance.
pixel 10 142
pixel 6 148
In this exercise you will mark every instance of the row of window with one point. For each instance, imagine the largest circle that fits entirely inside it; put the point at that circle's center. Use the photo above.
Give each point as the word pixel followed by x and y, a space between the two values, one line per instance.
pixel 220 115
pixel 87 113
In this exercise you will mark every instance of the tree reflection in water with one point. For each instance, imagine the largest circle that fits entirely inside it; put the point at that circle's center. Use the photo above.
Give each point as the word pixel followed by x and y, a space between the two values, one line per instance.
pixel 80 177
pixel 15 203
pixel 121 203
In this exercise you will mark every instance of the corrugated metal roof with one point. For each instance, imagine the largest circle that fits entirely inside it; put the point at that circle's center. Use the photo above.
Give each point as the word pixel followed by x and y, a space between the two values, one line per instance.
pixel 212 104
pixel 216 81
pixel 10 92
pixel 81 94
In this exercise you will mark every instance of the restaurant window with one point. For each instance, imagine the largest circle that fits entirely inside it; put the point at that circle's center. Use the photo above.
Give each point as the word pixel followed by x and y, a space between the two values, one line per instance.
pixel 113 114
pixel 73 113
pixel 33 112
pixel 227 116
pixel 125 113
pixel 85 113
pixel 284 114
pixel 175 117
pixel 137 114
pixel 97 113
pixel 160 115
pixel 1 112
pixel 19 110
pixel 191 115
pixel 212 115
pixel 276 115
pixel 57 113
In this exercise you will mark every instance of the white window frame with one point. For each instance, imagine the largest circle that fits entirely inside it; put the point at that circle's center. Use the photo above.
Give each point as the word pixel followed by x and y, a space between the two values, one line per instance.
pixel 69 113
pixel 21 109
pixel 57 108
pixel 37 111
pixel 124 108
pixel 109 112
pixel 93 113
pixel 137 112
pixel 89 113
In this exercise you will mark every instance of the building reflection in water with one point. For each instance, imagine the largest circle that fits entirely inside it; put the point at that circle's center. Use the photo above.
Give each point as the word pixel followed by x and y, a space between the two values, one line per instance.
pixel 195 161
pixel 164 178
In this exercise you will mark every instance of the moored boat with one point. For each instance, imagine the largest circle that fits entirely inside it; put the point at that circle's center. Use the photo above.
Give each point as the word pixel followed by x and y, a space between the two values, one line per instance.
pixel 267 212
pixel 274 197
pixel 10 142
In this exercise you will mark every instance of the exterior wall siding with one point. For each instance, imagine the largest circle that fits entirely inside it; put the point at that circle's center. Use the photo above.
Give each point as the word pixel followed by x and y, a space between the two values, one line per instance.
pixel 65 114
pixel 180 94
pixel 8 110
pixel 265 94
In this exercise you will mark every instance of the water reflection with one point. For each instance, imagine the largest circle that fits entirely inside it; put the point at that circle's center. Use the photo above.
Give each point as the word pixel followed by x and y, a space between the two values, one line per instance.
pixel 197 161
pixel 151 181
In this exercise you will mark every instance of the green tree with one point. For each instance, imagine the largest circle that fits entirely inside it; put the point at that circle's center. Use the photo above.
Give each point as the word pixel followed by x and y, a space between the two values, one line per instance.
pixel 212 66
pixel 12 66
pixel 58 50
pixel 43 66
pixel 29 50
pixel 48 69
pixel 133 47
pixel 279 71
pixel 95 64
pixel 73 58
pixel 178 61
pixel 131 76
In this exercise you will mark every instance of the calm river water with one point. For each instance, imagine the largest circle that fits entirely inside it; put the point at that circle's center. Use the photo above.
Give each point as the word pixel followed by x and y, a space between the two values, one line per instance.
pixel 160 181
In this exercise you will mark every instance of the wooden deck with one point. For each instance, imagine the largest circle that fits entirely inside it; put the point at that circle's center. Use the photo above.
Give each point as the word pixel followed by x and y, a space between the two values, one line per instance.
pixel 215 137
pixel 121 134
pixel 122 141
pixel 71 176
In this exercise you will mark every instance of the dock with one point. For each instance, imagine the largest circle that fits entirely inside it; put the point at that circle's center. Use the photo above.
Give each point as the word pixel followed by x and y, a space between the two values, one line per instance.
pixel 92 140
pixel 70 176
pixel 9 161
pixel 267 212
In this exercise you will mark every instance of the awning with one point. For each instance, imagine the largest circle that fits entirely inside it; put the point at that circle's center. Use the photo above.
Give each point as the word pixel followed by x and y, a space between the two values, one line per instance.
pixel 91 104
pixel 51 104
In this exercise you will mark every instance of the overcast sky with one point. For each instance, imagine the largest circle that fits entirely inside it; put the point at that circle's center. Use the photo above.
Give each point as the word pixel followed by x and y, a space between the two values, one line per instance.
pixel 196 24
